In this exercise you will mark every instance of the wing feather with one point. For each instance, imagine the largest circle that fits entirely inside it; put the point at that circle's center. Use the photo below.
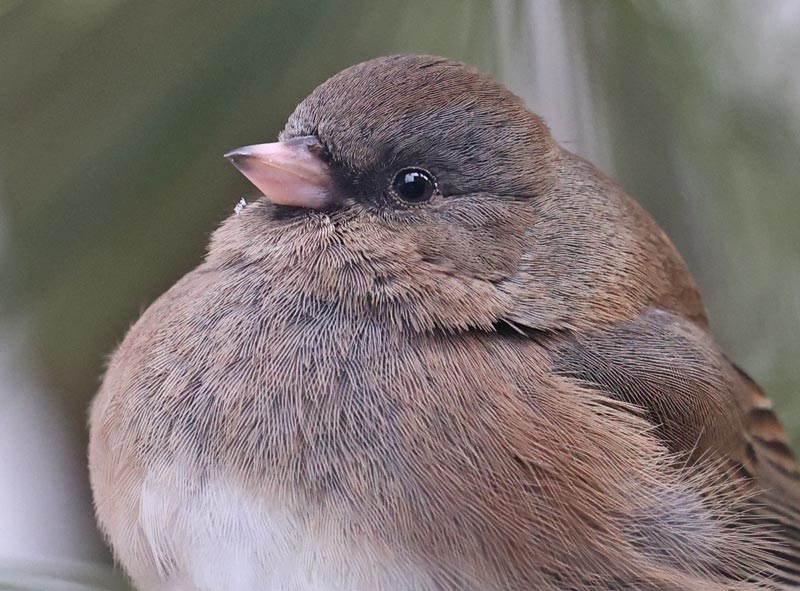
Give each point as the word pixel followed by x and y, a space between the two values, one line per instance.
pixel 702 406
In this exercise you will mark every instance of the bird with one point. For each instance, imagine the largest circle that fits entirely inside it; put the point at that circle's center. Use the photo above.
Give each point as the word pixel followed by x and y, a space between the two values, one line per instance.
pixel 437 352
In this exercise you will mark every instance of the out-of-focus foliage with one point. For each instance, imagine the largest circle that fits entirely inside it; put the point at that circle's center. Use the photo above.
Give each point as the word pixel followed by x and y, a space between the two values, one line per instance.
pixel 58 576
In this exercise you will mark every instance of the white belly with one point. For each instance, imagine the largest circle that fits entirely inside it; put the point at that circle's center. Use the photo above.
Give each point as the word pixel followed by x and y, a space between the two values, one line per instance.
pixel 221 538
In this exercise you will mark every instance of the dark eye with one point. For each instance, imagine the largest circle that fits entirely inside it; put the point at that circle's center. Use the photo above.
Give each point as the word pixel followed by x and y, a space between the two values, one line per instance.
pixel 414 185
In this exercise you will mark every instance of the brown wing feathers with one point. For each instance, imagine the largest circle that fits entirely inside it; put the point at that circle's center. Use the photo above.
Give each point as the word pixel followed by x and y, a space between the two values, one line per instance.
pixel 674 372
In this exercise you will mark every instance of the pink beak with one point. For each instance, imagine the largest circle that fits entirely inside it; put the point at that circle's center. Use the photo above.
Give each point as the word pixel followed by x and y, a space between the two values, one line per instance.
pixel 288 173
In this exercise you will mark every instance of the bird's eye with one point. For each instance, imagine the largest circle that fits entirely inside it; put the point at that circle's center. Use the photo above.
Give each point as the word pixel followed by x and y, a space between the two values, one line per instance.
pixel 414 185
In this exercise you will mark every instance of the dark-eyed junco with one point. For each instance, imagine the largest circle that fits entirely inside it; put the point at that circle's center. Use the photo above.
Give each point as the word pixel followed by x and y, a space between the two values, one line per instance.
pixel 440 353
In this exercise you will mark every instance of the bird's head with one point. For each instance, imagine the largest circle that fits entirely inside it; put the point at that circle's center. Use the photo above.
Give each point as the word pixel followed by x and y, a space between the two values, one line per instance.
pixel 417 183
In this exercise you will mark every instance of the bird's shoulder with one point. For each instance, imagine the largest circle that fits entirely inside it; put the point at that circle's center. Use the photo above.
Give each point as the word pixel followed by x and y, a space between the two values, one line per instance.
pixel 701 404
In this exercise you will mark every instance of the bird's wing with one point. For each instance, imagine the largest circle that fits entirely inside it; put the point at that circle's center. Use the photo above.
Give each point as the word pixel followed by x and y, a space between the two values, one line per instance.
pixel 772 465
pixel 702 405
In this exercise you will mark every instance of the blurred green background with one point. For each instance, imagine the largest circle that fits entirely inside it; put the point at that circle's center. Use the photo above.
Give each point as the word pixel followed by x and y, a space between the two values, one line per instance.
pixel 114 115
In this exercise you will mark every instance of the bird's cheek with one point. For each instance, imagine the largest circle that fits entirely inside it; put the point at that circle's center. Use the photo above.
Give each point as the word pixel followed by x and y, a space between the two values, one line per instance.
pixel 480 237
